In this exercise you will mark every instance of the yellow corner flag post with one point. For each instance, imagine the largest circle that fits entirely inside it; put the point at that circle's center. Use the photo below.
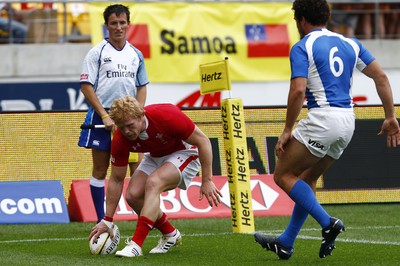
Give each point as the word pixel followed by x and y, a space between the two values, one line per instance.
pixel 215 77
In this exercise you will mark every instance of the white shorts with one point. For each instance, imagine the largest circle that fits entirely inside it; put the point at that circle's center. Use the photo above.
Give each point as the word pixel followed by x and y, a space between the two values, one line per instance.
pixel 186 161
pixel 326 131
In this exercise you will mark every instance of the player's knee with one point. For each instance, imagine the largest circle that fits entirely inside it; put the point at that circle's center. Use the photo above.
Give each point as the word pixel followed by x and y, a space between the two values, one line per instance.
pixel 100 172
pixel 282 180
pixel 99 175
pixel 134 200
pixel 151 184
pixel 129 197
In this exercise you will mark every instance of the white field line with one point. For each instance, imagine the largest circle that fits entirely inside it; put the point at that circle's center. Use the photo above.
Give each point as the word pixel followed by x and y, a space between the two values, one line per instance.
pixel 339 239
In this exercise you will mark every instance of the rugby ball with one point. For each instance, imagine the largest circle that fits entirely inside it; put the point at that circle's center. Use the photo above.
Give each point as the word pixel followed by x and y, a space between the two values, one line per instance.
pixel 104 245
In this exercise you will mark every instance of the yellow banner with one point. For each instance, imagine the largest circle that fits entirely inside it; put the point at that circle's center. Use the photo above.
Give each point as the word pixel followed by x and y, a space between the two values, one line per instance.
pixel 237 162
pixel 214 77
pixel 178 37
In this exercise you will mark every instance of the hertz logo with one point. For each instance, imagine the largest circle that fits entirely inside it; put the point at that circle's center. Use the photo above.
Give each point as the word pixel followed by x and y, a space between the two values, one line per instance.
pixel 211 77
pixel 196 44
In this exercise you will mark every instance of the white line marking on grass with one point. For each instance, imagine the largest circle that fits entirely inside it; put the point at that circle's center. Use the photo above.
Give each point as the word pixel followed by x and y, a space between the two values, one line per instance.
pixel 43 240
pixel 56 239
pixel 357 228
pixel 361 241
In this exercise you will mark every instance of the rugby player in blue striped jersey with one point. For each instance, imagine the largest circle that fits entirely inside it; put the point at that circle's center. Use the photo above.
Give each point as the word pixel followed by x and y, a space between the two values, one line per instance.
pixel 322 66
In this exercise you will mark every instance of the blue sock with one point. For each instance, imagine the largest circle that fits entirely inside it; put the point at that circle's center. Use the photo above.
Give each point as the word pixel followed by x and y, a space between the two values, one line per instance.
pixel 303 195
pixel 97 190
pixel 299 216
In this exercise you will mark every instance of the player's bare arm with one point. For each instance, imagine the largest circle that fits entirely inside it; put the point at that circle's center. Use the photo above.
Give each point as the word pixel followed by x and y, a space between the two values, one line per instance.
pixel 114 189
pixel 375 72
pixel 390 126
pixel 141 95
pixel 208 188
pixel 295 104
pixel 114 192
pixel 93 100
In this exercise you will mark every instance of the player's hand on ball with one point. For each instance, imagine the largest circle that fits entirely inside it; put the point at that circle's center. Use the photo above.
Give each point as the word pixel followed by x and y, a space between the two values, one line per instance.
pixel 104 241
pixel 102 227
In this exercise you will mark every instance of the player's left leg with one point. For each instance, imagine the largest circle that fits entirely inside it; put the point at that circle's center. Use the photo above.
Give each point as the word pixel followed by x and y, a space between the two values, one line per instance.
pixel 303 194
pixel 299 214
pixel 164 178
pixel 100 160
pixel 135 191
pixel 189 166
pixel 291 165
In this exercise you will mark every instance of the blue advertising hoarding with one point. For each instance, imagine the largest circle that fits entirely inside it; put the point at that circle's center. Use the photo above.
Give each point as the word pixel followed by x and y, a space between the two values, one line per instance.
pixel 32 202
pixel 41 96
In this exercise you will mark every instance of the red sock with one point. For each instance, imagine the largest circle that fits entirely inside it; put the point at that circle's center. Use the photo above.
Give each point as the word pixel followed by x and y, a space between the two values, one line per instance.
pixel 164 225
pixel 144 225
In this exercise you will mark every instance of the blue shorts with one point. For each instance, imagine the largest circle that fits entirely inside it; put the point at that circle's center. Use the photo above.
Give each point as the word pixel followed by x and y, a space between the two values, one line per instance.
pixel 98 138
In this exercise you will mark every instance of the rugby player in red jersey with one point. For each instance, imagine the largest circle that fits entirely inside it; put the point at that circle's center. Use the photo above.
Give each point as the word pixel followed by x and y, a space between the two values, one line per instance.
pixel 175 150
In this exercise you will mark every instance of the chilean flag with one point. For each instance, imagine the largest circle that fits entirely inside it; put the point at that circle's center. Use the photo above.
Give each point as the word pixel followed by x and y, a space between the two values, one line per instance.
pixel 138 35
pixel 267 40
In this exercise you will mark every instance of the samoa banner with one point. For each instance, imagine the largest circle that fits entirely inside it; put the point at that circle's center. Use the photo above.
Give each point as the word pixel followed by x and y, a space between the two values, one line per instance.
pixel 175 38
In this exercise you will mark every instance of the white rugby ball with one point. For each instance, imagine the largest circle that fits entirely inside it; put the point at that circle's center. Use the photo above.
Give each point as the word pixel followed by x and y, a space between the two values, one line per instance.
pixel 104 244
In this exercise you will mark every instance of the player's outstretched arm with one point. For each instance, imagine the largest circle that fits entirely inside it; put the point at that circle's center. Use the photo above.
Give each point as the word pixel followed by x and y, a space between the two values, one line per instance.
pixel 390 126
pixel 208 188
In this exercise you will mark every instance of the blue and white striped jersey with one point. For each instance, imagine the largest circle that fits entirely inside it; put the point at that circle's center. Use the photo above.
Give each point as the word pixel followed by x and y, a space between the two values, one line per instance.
pixel 114 73
pixel 328 60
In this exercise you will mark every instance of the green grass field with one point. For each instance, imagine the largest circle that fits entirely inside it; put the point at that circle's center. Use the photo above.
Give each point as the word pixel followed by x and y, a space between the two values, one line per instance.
pixel 372 237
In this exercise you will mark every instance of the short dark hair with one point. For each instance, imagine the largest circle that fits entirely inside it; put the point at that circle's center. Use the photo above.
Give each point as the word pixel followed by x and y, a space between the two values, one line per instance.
pixel 316 12
pixel 116 9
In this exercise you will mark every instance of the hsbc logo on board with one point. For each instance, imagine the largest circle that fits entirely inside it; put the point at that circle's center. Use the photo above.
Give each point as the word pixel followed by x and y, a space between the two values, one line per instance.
pixel 267 199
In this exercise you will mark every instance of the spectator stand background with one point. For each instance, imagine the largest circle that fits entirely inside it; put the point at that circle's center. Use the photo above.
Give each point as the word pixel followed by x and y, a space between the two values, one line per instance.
pixel 366 19
pixel 55 22
pixel 68 21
